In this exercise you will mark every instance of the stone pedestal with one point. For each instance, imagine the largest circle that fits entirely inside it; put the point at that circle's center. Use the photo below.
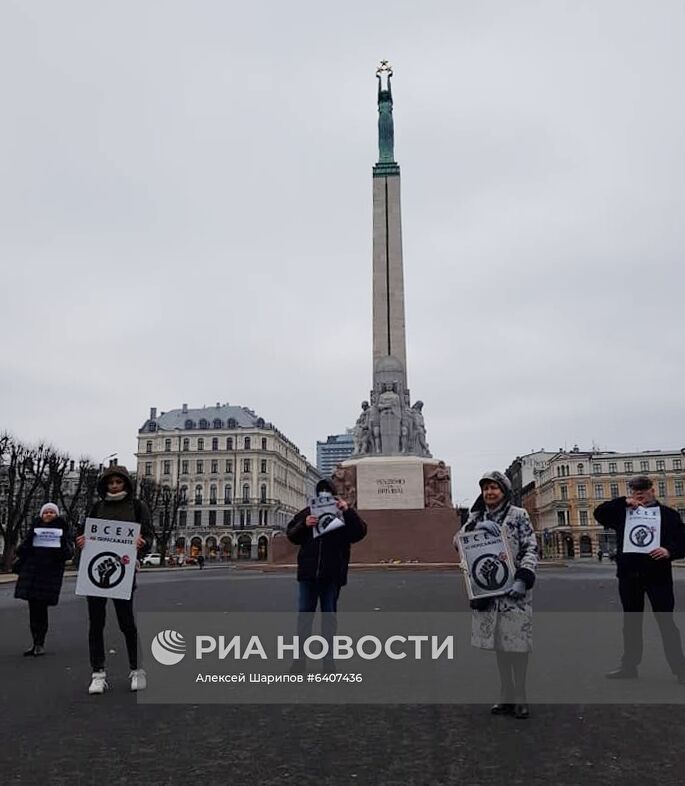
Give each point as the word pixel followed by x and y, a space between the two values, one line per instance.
pixel 406 503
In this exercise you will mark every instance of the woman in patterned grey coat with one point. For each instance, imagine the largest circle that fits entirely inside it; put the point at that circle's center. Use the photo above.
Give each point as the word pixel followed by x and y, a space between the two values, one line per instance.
pixel 505 623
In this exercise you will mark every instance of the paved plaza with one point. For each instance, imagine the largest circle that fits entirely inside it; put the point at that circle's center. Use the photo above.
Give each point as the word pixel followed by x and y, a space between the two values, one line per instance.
pixel 53 732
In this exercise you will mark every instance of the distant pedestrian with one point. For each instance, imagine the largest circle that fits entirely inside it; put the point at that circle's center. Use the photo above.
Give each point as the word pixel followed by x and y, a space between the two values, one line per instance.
pixel 201 561
pixel 322 564
pixel 505 623
pixel 646 574
pixel 117 503
pixel 40 565
pixel 600 555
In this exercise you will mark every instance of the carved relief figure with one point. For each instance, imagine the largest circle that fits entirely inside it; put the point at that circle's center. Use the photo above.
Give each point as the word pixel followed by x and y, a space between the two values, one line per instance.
pixel 437 487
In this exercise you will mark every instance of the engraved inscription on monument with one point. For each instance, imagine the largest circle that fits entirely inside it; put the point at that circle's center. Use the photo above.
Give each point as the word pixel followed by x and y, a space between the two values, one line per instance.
pixel 390 485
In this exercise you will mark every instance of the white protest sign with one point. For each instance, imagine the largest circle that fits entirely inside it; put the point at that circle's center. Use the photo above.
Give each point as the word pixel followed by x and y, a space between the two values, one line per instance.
pixel 108 559
pixel 489 564
pixel 642 532
pixel 47 537
pixel 330 517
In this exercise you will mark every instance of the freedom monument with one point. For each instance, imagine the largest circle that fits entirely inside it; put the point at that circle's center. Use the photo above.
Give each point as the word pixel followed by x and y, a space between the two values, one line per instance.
pixel 402 492
pixel 399 489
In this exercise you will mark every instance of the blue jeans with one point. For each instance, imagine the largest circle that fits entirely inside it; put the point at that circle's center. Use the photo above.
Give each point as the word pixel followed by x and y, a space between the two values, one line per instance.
pixel 311 594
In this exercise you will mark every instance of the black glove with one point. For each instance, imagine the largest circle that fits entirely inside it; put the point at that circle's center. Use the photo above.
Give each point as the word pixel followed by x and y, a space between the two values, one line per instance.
pixel 480 604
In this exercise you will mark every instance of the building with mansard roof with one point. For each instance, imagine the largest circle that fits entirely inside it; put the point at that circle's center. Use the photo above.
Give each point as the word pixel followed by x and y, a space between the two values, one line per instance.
pixel 241 480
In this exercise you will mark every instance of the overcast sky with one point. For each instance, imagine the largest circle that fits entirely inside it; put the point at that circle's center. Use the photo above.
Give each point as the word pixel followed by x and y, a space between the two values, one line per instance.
pixel 185 216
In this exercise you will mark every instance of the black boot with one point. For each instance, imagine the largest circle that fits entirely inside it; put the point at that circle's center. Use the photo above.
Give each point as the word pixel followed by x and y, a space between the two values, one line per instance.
pixel 624 673
pixel 521 712
pixel 502 709
pixel 30 652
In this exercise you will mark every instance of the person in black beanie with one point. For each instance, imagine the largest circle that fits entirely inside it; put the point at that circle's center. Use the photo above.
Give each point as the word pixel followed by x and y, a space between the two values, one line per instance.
pixel 40 565
pixel 322 561
pixel 650 574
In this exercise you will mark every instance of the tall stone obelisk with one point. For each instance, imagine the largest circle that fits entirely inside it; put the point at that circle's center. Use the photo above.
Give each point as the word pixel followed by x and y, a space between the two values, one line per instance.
pixel 389 338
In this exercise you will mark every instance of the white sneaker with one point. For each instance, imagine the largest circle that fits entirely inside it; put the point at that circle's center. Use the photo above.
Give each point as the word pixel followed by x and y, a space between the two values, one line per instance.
pixel 138 679
pixel 98 682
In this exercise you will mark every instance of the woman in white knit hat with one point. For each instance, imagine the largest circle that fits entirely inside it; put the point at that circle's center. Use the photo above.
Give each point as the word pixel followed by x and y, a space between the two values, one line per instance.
pixel 40 565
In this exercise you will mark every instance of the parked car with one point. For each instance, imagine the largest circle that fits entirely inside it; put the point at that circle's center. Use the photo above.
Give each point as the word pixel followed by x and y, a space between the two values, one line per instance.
pixel 153 559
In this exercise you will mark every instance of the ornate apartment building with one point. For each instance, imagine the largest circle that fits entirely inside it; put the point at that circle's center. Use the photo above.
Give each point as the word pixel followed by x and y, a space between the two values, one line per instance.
pixel 571 484
pixel 240 478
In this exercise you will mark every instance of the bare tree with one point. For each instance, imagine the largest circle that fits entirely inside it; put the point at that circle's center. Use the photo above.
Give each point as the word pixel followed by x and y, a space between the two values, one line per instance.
pixel 164 503
pixel 24 471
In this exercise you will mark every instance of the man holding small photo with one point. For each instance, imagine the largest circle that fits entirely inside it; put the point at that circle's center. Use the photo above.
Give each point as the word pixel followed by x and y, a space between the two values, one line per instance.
pixel 649 536
pixel 323 557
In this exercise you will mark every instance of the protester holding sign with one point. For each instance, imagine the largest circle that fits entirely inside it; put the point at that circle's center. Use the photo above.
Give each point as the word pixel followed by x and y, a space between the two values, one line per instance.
pixel 40 565
pixel 649 536
pixel 117 503
pixel 324 555
pixel 503 621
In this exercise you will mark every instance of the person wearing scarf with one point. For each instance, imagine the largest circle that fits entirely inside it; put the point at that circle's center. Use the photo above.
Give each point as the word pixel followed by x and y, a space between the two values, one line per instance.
pixel 117 503
pixel 505 623
pixel 41 571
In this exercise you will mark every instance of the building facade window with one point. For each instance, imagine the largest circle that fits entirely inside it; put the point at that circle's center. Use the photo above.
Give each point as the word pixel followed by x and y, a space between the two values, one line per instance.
pixel 246 493
pixel 581 469
pixel 204 423
pixel 614 490
pixel 186 443
pixel 564 492
pixel 679 488
pixel 660 465
pixel 677 463
pixel 262 493
pixel 227 518
pixel 183 518
pixel 246 465
pixel 582 492
pixel 644 466
pixel 189 425
pixel 229 467
pixel 212 495
pixel 263 443
pixel 662 488
pixel 218 423
pixel 599 491
pixel 148 468
pixel 200 444
pixel 215 467
pixel 247 443
pixel 166 467
pixel 167 446
pixel 197 518
pixel 148 446
pixel 199 467
pixel 612 467
pixel 212 518
pixel 228 492
pixel 198 495
pixel 215 443
pixel 561 519
pixel 184 494
pixel 597 469
pixel 627 466
pixel 229 443
pixel 263 467
pixel 184 468
pixel 583 518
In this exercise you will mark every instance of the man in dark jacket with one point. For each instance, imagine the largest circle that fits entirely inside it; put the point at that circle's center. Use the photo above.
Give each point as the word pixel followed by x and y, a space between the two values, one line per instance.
pixel 117 503
pixel 322 561
pixel 650 574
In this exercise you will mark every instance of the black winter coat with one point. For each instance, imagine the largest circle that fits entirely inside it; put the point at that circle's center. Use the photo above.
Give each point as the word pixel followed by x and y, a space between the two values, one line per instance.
pixel 612 514
pixel 325 558
pixel 41 570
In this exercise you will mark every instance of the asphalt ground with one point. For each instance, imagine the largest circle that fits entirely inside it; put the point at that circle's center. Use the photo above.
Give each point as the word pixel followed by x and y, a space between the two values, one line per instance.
pixel 53 732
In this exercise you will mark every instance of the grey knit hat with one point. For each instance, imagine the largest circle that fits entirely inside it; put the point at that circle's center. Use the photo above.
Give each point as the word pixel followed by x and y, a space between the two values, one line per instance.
pixel 499 478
